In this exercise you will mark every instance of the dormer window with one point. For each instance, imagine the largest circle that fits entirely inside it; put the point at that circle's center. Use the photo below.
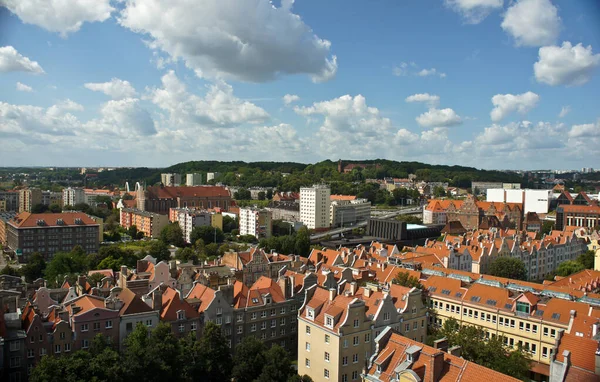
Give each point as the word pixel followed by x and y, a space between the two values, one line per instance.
pixel 329 321
pixel 181 315
pixel 310 313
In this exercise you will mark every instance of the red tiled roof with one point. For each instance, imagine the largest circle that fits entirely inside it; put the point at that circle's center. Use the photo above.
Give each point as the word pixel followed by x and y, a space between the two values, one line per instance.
pixel 202 293
pixel 342 197
pixel 199 191
pixel 172 303
pixel 29 220
pixel 132 303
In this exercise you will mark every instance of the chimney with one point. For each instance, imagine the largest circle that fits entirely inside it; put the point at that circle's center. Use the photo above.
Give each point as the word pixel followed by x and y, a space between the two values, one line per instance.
pixel 81 281
pixel 332 294
pixel 285 285
pixel 455 350
pixel 366 292
pixel 437 368
pixel 441 344
pixel 353 288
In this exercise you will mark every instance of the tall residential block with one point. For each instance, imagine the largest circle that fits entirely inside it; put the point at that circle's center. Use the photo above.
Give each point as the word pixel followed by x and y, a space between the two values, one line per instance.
pixel 315 206
pixel 256 222
pixel 73 196
pixel 170 180
pixel 194 179
pixel 28 198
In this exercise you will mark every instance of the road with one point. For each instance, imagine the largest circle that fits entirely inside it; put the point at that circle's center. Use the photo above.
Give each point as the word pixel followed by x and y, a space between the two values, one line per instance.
pixel 336 231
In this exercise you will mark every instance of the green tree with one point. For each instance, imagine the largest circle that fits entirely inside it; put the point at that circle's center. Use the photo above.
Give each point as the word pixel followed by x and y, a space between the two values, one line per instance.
pixel 278 365
pixel 302 245
pixel 569 267
pixel 172 234
pixel 509 267
pixel 215 355
pixel 34 269
pixel 406 280
pixel 242 194
pixel 54 208
pixel 159 250
pixel 438 191
pixel 262 195
pixel 229 224
pixel 587 259
pixel 547 227
pixel 186 254
pixel 208 234
pixel 211 250
pixel 65 264
pixel 10 271
pixel 249 360
pixel 39 208
pixel 269 194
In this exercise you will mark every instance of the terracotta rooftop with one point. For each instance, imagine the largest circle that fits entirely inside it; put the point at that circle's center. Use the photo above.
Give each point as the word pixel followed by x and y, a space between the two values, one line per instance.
pixel 199 191
pixel 29 220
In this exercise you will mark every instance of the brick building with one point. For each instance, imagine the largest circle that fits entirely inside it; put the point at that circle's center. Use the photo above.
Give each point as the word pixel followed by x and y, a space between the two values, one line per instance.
pixel 160 199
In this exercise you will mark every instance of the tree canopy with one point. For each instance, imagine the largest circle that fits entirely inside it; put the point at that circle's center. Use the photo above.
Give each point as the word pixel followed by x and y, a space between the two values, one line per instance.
pixel 172 234
pixel 406 280
pixel 208 234
pixel 508 267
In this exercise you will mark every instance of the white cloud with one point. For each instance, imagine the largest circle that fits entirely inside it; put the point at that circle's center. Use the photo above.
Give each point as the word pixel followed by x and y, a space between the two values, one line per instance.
pixel 532 22
pixel 13 61
pixel 587 130
pixel 565 65
pixel 24 88
pixel 412 69
pixel 474 11
pixel 251 40
pixel 219 108
pixel 288 99
pixel 62 16
pixel 124 117
pixel 521 136
pixel 34 123
pixel 431 72
pixel 431 99
pixel 504 104
pixel 439 118
pixel 115 88
pixel 564 111
pixel 349 124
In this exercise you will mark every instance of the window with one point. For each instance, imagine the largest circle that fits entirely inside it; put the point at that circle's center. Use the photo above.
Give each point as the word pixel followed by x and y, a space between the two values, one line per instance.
pixel 57 348
pixel 273 323
pixel 308 346
pixel 85 327
pixel 345 343
pixel 85 344
pixel 14 346
pixel 326 373
pixel 219 310
pixel 253 316
pixel 406 327
pixel 42 352
pixel 308 330
pixel 181 314
pixel 15 362
pixel 344 360
pixel 368 337
pixel 534 328
pixel 307 363
pixel 282 311
pixel 96 326
pixel 31 339
pixel 521 325
pixel 345 378
pixel 329 321
pixel 282 321
pixel 263 325
pixel 326 338
pixel 281 332
pixel 553 333
pixel 355 358
pixel 219 320
pixel 386 316
pixel 546 332
pixel 356 323
pixel 527 327
pixel 30 353
pixel 148 322
pixel 326 357
pixel 355 341
pixel 415 325
pixel 545 352
pixel 194 326
pixel 129 326
pixel 263 314
pixel 512 323
pixel 240 329
pixel 67 348
pixel 273 312
pixel 253 328
pixel 240 318
pixel 354 375
pixel 181 328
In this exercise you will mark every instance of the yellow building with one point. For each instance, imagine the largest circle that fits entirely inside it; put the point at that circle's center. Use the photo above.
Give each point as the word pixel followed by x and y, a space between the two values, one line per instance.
pixel 216 220
pixel 535 322
pixel 28 198
pixel 2 205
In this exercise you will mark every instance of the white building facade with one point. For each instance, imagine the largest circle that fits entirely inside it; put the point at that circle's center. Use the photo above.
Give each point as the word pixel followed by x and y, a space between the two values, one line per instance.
pixel 347 212
pixel 194 179
pixel 72 196
pixel 170 180
pixel 537 201
pixel 256 222
pixel 315 206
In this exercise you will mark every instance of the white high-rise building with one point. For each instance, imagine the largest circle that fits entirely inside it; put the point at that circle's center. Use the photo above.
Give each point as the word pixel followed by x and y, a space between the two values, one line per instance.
pixel 170 180
pixel 194 179
pixel 315 206
pixel 73 196
pixel 256 222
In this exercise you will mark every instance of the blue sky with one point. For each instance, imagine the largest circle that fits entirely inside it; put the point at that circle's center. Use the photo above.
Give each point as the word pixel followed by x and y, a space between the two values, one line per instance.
pixel 485 83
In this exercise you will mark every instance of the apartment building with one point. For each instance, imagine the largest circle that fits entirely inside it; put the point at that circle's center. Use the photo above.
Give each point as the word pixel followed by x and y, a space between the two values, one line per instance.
pixel 175 311
pixel 194 179
pixel 523 316
pixel 347 210
pixel 149 223
pixel 170 180
pixel 160 199
pixel 256 222
pixel 10 199
pixel 49 233
pixel 315 206
pixel 73 196
pixel 255 263
pixel 28 198
pixel 188 219
pixel 88 316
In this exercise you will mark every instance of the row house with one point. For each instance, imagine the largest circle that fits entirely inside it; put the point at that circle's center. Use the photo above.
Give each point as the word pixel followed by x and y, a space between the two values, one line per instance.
pixel 255 264
pixel 175 310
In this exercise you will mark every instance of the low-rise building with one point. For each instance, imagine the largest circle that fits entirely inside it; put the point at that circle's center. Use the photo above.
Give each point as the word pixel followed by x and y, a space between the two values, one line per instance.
pixel 347 210
pixel 50 233
pixel 577 216
pixel 149 223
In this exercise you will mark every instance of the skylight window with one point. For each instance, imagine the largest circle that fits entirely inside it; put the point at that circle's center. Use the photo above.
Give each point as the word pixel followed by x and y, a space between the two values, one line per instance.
pixel 446 292
pixel 458 294
pixel 556 316
pixel 508 306
pixel 432 289
pixel 255 301
pixel 475 299
pixel 539 313
pixel 491 302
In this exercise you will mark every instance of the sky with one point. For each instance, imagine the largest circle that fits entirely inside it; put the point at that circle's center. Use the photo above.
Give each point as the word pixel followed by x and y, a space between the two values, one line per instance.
pixel 496 84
